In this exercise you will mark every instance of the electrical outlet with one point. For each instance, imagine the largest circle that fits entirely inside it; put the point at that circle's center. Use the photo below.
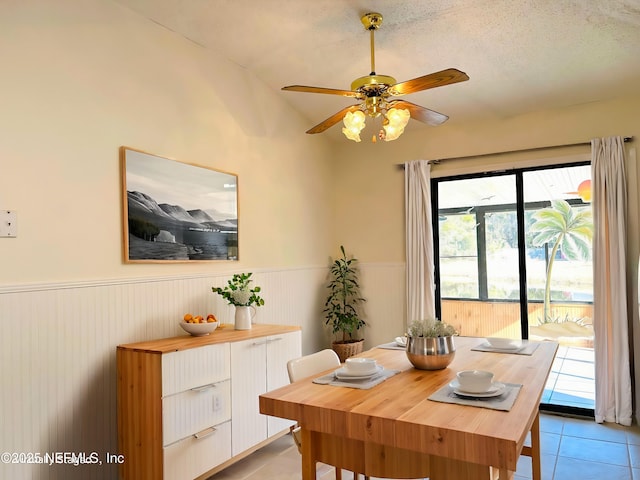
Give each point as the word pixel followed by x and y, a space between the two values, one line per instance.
pixel 8 223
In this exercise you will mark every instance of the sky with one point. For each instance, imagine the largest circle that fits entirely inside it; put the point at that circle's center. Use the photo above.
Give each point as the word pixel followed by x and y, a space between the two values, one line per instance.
pixel 176 183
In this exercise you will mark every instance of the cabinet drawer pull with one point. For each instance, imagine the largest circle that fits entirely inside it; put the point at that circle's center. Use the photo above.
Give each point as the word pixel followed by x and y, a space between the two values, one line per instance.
pixel 203 388
pixel 260 343
pixel 204 433
pixel 274 339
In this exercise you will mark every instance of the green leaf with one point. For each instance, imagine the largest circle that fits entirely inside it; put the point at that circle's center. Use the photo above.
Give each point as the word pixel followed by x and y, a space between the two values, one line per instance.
pixel 545 236
pixel 546 219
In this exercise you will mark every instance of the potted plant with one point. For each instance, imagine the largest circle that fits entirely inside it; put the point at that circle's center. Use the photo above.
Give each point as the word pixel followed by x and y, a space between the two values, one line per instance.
pixel 342 308
pixel 430 344
pixel 238 293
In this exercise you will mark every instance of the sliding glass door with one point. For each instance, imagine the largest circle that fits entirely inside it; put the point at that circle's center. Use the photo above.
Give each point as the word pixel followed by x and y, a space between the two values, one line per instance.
pixel 514 260
pixel 559 273
pixel 478 255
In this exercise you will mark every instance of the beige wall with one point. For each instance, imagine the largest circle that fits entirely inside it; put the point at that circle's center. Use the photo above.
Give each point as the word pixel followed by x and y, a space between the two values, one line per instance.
pixel 369 188
pixel 80 79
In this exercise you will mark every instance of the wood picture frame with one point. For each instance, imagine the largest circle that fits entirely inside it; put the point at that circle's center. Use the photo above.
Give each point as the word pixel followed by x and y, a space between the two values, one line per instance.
pixel 176 212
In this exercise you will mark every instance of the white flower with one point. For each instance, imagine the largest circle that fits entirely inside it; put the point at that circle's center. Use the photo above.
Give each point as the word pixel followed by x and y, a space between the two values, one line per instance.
pixel 241 297
pixel 430 327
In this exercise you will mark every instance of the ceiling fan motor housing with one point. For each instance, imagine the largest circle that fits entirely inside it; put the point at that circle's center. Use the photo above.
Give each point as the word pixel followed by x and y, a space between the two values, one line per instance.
pixel 372 83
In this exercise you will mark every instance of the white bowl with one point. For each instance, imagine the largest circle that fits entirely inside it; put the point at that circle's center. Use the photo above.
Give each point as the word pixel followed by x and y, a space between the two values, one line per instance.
pixel 199 329
pixel 360 365
pixel 475 381
pixel 506 343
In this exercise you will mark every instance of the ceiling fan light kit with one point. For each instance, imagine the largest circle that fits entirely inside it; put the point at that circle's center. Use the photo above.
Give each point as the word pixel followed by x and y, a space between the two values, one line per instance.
pixel 354 122
pixel 374 91
pixel 397 119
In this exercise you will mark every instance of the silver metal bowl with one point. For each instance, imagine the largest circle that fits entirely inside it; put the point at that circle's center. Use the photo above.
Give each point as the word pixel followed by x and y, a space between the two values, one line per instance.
pixel 430 353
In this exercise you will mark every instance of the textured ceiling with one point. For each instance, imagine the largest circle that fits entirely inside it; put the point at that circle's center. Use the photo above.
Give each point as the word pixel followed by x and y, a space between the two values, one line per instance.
pixel 521 55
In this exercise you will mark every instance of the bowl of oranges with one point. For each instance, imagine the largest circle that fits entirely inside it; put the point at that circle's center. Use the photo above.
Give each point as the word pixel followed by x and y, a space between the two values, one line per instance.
pixel 198 326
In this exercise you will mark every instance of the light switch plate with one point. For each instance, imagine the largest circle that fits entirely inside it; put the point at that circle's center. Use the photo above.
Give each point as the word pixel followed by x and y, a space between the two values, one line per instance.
pixel 8 223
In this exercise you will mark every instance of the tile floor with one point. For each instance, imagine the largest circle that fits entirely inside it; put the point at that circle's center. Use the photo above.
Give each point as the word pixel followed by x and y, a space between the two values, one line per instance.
pixel 572 379
pixel 572 449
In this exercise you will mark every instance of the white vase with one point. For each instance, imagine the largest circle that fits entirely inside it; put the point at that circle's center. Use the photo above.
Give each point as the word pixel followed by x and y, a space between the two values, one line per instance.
pixel 244 315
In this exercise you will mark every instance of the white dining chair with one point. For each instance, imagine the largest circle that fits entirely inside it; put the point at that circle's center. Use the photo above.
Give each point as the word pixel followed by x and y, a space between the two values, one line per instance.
pixel 304 367
pixel 312 364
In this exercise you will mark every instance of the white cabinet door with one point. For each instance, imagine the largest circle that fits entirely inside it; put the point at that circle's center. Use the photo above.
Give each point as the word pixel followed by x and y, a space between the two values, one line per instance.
pixel 248 381
pixel 258 366
pixel 280 349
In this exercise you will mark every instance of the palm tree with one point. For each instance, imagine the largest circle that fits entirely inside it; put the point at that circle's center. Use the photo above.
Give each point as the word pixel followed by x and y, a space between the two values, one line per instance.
pixel 567 229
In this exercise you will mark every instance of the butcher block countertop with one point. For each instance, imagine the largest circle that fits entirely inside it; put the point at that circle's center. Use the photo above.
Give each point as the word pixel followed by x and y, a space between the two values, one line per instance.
pixel 220 335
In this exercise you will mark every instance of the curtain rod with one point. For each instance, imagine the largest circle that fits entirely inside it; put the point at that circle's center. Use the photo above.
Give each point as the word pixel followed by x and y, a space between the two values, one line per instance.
pixel 438 160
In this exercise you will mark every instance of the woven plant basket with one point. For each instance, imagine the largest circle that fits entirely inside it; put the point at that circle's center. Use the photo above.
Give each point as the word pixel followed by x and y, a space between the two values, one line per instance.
pixel 349 349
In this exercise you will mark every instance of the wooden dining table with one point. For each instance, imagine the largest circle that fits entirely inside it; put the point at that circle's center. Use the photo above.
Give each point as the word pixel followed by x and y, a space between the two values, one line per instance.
pixel 393 430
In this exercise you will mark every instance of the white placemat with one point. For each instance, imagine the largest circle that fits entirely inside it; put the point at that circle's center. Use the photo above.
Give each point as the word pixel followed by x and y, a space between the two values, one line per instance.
pixel 364 384
pixel 502 402
pixel 526 349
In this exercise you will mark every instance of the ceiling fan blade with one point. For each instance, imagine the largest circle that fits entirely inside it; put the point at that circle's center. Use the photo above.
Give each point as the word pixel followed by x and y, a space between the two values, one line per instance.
pixel 330 91
pixel 437 79
pixel 333 119
pixel 424 115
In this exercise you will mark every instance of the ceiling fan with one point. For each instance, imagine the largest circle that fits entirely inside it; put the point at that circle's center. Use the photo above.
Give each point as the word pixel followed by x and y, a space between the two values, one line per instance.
pixel 375 91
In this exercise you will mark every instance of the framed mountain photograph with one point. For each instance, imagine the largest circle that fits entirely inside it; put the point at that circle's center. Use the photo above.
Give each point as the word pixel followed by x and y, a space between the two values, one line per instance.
pixel 175 211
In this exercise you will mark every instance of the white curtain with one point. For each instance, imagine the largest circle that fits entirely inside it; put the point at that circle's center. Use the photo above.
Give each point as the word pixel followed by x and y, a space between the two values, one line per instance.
pixel 419 241
pixel 609 202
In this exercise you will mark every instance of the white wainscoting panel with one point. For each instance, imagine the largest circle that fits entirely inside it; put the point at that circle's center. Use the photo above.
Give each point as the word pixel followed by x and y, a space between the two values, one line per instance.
pixel 58 355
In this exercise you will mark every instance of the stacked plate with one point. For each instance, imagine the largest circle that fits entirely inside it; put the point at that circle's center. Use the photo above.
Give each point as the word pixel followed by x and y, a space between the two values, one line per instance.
pixel 359 368
pixel 346 374
pixel 495 390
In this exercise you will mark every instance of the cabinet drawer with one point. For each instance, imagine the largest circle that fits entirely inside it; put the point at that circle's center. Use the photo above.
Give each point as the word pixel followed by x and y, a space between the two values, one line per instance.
pixel 195 367
pixel 186 413
pixel 193 456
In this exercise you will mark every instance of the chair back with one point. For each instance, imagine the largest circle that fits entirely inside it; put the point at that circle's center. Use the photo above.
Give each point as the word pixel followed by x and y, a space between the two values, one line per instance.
pixel 312 364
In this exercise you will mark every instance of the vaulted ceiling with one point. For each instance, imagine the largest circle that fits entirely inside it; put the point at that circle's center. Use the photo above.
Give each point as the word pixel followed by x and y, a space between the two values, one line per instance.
pixel 521 56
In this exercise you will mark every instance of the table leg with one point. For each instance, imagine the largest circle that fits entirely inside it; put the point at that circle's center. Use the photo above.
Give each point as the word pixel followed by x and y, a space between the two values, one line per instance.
pixel 308 457
pixel 536 469
pixel 505 474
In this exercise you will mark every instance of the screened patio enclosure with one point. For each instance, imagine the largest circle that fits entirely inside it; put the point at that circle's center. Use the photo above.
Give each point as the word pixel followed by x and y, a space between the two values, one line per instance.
pixel 514 258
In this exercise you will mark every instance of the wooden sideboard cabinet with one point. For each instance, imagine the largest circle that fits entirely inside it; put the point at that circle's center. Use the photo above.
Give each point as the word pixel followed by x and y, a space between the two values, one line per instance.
pixel 188 406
